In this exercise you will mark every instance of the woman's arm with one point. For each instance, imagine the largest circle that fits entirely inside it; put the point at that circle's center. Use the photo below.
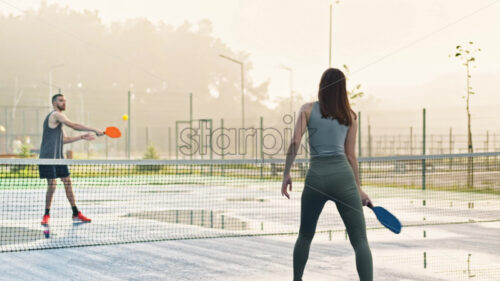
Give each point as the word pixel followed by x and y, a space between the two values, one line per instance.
pixel 349 147
pixel 350 150
pixel 300 128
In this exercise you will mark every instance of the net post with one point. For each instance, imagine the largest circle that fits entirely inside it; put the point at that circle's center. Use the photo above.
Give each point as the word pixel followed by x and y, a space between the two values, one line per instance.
pixel 176 145
pixel 359 146
pixel 211 219
pixel 359 134
pixel 201 124
pixel 425 259
pixel 487 150
pixel 451 147
pixel 423 148
pixel 169 142
pixel 191 129
pixel 261 145
pixel 211 145
pixel 222 144
pixel 129 96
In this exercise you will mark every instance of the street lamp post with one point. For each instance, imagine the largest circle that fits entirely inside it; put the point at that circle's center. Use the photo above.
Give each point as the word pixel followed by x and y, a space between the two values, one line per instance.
pixel 331 35
pixel 242 89
pixel 79 86
pixel 330 40
pixel 52 67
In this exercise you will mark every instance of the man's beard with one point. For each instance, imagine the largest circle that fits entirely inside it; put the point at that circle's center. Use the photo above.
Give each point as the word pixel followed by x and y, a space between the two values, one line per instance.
pixel 61 108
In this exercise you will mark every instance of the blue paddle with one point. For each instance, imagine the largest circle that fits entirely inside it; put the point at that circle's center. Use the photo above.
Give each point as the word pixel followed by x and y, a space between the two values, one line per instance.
pixel 386 218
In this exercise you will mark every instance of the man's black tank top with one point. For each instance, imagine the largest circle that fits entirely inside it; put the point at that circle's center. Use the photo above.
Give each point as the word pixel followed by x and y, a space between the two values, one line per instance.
pixel 52 141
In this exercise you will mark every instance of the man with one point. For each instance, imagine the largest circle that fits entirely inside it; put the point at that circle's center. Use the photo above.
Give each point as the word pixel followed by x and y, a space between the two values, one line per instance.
pixel 52 148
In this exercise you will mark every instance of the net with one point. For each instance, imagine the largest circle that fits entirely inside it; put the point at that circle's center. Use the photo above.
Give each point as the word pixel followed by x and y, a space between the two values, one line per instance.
pixel 151 200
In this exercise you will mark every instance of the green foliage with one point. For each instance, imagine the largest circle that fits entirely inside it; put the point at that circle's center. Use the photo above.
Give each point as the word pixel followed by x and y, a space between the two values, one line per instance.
pixel 25 150
pixel 466 53
pixel 168 52
pixel 25 153
pixel 356 91
pixel 150 154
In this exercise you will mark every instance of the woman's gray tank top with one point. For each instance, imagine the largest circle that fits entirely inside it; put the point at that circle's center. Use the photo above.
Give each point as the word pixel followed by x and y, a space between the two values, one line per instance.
pixel 326 136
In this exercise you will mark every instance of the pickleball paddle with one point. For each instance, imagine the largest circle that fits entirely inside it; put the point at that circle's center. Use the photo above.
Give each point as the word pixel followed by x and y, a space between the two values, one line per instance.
pixel 386 218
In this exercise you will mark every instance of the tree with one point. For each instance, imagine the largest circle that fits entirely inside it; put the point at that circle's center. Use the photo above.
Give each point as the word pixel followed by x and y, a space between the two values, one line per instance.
pixel 160 63
pixel 466 54
pixel 25 152
pixel 151 152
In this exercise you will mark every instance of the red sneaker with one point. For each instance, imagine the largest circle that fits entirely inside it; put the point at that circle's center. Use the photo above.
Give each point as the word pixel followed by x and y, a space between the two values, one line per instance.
pixel 81 218
pixel 45 220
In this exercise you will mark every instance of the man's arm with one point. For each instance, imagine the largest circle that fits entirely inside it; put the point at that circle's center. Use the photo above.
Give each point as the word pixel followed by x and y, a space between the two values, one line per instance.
pixel 72 139
pixel 77 138
pixel 75 126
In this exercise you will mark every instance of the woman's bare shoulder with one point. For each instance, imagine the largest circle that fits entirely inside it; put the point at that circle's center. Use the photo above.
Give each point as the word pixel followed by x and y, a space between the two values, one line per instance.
pixel 307 107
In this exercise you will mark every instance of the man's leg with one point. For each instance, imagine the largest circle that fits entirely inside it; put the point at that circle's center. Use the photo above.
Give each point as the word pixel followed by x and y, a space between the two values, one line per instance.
pixel 77 215
pixel 51 188
pixel 69 190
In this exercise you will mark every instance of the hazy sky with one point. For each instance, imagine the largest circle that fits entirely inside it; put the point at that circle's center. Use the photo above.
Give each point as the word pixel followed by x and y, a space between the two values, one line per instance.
pixel 397 49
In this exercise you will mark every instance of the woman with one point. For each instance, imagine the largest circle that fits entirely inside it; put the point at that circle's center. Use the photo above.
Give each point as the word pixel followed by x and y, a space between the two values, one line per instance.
pixel 332 174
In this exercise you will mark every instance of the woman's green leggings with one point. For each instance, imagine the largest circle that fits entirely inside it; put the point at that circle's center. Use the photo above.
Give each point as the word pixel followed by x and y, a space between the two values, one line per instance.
pixel 332 178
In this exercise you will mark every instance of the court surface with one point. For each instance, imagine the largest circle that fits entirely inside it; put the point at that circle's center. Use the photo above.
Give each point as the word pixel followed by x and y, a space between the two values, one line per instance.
pixel 208 227
pixel 270 258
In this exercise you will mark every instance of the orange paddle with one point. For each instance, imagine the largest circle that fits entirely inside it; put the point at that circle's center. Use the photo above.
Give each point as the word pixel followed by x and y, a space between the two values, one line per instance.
pixel 112 132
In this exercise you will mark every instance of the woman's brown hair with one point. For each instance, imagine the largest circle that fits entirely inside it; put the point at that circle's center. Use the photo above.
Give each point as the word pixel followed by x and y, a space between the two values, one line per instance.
pixel 332 97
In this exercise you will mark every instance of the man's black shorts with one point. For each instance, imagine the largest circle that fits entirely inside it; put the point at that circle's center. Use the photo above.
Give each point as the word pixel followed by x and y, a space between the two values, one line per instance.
pixel 53 171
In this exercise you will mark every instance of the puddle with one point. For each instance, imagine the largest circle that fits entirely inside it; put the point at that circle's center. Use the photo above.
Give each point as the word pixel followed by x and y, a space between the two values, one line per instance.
pixel 203 218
